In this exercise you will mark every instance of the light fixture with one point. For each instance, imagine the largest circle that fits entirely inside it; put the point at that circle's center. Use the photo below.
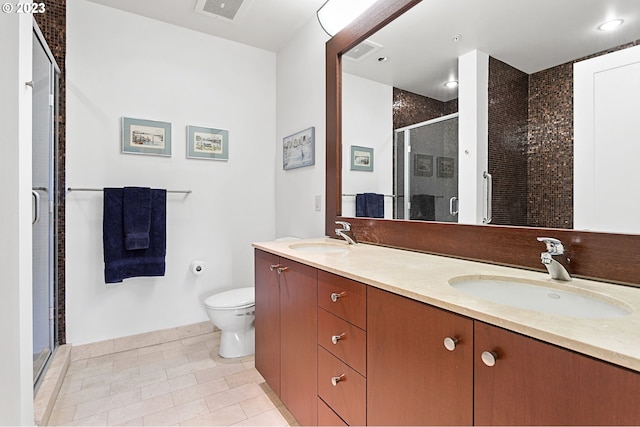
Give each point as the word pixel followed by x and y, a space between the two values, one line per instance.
pixel 334 15
pixel 451 84
pixel 610 25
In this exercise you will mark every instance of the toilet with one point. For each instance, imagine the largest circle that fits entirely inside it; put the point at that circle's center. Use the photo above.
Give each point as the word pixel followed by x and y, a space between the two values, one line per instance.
pixel 233 312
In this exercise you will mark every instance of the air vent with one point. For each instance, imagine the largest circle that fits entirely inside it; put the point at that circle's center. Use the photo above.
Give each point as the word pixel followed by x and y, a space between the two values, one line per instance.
pixel 227 10
pixel 362 50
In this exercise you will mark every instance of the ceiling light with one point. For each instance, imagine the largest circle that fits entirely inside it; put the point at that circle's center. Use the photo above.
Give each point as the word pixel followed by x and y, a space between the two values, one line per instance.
pixel 451 84
pixel 334 15
pixel 610 25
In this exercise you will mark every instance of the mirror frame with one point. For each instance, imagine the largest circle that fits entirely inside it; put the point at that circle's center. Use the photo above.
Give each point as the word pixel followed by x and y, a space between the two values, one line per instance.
pixel 594 255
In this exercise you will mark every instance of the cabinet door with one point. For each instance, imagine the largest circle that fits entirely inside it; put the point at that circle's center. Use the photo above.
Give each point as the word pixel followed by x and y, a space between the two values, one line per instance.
pixel 412 379
pixel 299 323
pixel 535 383
pixel 267 321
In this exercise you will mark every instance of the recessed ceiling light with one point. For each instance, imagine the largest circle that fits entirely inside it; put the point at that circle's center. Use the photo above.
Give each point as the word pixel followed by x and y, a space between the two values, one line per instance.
pixel 610 25
pixel 451 84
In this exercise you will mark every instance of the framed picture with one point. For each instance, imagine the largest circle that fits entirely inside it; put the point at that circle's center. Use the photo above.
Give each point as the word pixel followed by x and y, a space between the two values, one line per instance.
pixel 207 143
pixel 299 149
pixel 445 167
pixel 146 137
pixel 422 165
pixel 361 158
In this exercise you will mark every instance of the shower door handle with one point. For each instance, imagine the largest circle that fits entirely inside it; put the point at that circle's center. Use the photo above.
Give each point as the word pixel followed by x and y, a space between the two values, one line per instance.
pixel 487 219
pixel 453 201
pixel 36 200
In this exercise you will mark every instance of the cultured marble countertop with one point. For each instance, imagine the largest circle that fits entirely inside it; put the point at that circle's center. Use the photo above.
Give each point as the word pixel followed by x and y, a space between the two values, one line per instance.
pixel 425 278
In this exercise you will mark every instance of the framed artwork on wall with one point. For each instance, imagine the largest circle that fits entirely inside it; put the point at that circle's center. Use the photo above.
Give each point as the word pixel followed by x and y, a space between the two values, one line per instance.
pixel 146 137
pixel 298 150
pixel 361 158
pixel 207 143
pixel 446 166
pixel 423 165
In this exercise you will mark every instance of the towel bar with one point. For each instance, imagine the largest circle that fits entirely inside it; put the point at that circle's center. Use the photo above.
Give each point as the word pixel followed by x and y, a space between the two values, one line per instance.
pixel 69 189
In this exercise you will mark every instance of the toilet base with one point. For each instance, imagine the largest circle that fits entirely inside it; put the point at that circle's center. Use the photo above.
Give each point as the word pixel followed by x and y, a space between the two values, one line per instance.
pixel 237 344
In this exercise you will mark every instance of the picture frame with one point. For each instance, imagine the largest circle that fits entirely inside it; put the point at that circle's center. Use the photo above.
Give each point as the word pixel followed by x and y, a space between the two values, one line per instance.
pixel 446 167
pixel 299 149
pixel 422 165
pixel 361 158
pixel 207 143
pixel 148 137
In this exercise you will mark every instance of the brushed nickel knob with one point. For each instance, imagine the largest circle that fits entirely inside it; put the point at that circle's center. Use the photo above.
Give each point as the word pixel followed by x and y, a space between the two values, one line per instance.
pixel 336 380
pixel 489 358
pixel 282 269
pixel 336 338
pixel 336 296
pixel 450 343
pixel 274 266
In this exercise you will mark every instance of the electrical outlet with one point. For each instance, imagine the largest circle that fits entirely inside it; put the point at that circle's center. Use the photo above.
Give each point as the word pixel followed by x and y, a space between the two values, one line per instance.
pixel 318 203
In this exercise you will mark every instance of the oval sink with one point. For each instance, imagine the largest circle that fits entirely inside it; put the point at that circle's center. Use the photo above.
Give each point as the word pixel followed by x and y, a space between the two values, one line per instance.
pixel 325 248
pixel 538 297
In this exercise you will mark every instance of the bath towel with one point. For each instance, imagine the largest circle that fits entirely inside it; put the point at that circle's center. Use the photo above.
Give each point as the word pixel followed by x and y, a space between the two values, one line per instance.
pixel 136 209
pixel 120 263
pixel 370 205
pixel 423 207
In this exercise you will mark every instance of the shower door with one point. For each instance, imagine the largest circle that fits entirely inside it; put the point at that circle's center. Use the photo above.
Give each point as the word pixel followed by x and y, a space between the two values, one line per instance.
pixel 45 78
pixel 427 170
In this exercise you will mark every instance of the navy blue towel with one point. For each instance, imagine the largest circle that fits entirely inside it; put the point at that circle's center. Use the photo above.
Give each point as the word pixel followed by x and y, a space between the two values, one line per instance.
pixel 120 263
pixel 136 208
pixel 423 207
pixel 370 205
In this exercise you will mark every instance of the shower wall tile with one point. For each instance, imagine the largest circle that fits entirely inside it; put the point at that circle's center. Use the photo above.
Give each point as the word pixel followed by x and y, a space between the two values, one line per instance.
pixel 410 108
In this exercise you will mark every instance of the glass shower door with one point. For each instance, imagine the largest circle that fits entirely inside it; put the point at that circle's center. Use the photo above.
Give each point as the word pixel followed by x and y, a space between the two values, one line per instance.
pixel 43 190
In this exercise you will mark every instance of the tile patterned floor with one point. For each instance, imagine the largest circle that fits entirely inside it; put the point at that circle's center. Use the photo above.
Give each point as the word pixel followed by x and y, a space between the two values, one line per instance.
pixel 182 382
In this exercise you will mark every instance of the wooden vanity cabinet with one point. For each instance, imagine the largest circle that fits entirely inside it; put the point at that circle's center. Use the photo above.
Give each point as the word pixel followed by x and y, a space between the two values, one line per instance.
pixel 412 379
pixel 535 383
pixel 286 332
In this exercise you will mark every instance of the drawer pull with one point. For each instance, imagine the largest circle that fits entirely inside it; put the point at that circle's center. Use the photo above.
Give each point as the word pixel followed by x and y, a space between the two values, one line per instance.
pixel 336 296
pixel 450 343
pixel 282 269
pixel 336 380
pixel 336 338
pixel 489 358
pixel 274 266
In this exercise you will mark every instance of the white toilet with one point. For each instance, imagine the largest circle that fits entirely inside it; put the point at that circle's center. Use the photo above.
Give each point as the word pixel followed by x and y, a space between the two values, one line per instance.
pixel 233 312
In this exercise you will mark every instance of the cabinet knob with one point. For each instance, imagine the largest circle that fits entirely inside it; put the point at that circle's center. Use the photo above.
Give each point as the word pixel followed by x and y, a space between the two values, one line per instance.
pixel 336 380
pixel 336 296
pixel 489 358
pixel 282 269
pixel 274 266
pixel 450 343
pixel 336 338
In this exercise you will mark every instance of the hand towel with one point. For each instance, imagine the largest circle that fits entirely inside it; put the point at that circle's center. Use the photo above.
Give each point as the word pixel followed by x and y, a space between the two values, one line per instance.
pixel 370 205
pixel 423 207
pixel 136 210
pixel 121 263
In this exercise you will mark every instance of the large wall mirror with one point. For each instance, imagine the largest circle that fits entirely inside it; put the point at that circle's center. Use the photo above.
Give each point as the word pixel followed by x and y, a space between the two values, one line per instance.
pixel 417 162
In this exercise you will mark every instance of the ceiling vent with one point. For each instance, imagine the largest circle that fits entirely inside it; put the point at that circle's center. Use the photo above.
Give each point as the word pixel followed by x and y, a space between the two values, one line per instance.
pixel 362 50
pixel 226 10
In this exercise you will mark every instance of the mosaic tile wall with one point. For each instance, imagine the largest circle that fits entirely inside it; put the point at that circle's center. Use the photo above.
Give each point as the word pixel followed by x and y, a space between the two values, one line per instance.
pixel 410 108
pixel 508 93
pixel 53 25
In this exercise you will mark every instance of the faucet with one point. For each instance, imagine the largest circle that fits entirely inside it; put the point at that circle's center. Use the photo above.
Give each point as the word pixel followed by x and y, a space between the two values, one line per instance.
pixel 554 259
pixel 346 228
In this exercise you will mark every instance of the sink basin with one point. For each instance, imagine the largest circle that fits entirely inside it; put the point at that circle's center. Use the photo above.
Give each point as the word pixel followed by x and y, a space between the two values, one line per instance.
pixel 538 297
pixel 325 248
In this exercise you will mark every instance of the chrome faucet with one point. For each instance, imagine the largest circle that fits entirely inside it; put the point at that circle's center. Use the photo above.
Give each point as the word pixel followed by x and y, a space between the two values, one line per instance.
pixel 342 232
pixel 554 259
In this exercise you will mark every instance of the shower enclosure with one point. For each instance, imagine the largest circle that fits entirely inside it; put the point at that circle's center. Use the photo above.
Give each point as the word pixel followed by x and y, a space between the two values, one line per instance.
pixel 426 170
pixel 44 203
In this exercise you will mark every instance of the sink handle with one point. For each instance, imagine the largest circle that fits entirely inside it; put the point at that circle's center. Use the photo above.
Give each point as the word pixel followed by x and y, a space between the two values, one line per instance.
pixel 554 246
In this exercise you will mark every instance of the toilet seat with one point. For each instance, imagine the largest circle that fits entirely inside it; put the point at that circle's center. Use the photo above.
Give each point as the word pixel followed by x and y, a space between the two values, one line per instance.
pixel 232 299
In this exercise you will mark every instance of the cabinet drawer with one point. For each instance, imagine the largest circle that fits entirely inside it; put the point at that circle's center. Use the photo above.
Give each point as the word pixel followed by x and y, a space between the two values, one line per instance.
pixel 350 347
pixel 350 298
pixel 348 397
pixel 326 416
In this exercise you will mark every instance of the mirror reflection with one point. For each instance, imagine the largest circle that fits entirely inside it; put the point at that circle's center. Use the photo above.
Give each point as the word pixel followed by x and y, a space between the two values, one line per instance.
pixel 504 146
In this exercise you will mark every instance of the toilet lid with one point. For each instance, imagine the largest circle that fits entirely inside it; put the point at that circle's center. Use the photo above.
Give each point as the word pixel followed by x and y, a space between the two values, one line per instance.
pixel 234 298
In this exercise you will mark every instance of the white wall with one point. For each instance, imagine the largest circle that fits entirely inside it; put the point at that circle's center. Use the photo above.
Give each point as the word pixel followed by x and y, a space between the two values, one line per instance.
pixel 120 64
pixel 16 363
pixel 367 122
pixel 301 104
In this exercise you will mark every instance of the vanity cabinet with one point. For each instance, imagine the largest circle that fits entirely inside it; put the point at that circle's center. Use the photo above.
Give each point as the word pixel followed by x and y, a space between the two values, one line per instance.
pixel 286 332
pixel 412 379
pixel 535 383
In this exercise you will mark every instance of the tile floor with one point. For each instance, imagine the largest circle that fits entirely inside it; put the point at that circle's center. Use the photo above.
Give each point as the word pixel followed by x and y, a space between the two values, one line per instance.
pixel 183 382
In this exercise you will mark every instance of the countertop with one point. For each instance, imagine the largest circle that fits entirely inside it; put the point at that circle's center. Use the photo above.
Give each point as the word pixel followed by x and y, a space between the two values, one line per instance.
pixel 425 278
